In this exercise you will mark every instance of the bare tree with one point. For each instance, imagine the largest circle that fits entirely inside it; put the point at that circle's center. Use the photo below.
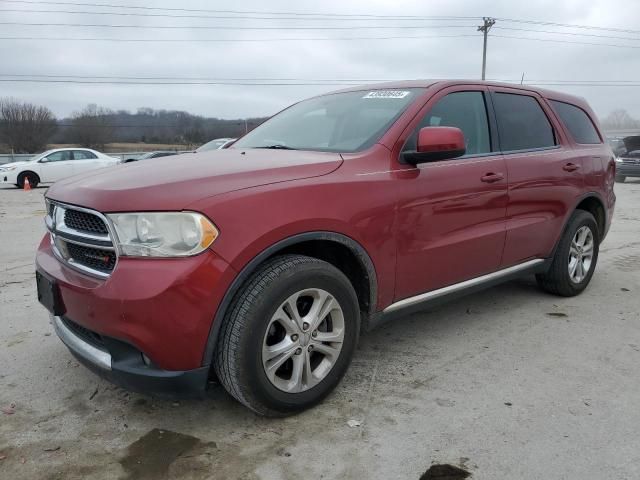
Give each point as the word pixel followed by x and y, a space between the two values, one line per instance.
pixel 92 127
pixel 25 127
pixel 620 119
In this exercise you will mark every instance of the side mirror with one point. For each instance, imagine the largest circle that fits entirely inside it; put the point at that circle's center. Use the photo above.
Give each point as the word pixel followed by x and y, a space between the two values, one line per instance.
pixel 43 160
pixel 437 143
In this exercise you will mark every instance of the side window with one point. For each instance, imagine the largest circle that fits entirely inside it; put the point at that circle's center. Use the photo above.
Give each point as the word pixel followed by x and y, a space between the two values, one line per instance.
pixel 465 110
pixel 522 123
pixel 577 122
pixel 59 156
pixel 83 155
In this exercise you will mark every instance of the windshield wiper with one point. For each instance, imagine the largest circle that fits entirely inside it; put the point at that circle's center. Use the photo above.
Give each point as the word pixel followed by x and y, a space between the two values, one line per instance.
pixel 277 146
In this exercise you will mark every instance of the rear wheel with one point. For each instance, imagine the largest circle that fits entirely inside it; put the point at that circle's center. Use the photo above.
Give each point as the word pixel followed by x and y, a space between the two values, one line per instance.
pixel 34 180
pixel 289 335
pixel 620 178
pixel 575 259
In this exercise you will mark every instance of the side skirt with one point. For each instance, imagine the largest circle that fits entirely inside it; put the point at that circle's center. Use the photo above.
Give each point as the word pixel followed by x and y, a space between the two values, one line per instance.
pixel 445 294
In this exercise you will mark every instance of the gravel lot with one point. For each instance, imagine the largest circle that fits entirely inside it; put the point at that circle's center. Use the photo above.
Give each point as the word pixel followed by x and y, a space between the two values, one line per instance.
pixel 509 383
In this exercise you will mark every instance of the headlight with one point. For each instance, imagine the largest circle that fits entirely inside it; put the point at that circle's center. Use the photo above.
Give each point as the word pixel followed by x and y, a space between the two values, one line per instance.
pixel 8 169
pixel 168 234
pixel 618 160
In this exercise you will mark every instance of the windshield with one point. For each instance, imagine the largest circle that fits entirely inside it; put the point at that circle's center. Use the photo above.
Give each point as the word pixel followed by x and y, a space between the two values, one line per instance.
pixel 212 145
pixel 340 122
pixel 39 156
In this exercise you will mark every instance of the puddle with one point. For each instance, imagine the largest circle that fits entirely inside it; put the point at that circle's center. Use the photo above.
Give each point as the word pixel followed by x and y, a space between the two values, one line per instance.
pixel 150 456
pixel 445 472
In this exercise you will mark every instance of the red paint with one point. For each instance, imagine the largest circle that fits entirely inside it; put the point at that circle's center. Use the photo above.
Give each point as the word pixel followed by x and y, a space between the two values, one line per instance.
pixel 423 227
pixel 440 139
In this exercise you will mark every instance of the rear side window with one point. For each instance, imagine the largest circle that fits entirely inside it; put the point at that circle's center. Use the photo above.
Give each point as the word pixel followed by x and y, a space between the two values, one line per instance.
pixel 465 110
pixel 83 155
pixel 522 123
pixel 577 122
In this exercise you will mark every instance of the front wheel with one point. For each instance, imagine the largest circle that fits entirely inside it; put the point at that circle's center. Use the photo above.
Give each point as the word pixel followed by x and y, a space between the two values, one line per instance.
pixel 289 335
pixel 575 259
pixel 34 180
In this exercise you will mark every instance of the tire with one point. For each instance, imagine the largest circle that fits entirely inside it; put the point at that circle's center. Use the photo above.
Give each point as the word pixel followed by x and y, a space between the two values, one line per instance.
pixel 559 280
pixel 34 180
pixel 249 327
pixel 620 178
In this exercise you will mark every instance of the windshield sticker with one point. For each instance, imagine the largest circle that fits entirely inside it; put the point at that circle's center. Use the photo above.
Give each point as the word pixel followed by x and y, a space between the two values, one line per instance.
pixel 387 94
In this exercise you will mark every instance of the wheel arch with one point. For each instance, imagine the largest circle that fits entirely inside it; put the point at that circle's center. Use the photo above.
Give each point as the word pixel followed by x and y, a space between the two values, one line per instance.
pixel 593 203
pixel 342 251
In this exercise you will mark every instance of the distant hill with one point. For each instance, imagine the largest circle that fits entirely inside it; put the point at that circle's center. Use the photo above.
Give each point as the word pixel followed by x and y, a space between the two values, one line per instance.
pixel 160 126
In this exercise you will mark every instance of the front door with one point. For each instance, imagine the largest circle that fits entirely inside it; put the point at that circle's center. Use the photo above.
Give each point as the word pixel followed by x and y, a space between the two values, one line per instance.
pixel 451 216
pixel 56 166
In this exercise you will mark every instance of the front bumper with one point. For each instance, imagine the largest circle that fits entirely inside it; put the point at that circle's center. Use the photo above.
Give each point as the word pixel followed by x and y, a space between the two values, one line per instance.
pixel 628 169
pixel 125 366
pixel 162 308
pixel 8 177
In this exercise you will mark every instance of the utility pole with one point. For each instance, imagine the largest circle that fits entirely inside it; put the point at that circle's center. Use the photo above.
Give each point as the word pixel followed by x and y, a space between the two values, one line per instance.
pixel 488 23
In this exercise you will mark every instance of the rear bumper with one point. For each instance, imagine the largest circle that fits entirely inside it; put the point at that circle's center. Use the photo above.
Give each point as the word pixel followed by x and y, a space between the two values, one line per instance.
pixel 125 366
pixel 628 170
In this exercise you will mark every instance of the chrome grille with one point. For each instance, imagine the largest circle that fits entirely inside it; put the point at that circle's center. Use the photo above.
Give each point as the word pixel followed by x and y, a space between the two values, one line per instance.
pixel 84 222
pixel 81 239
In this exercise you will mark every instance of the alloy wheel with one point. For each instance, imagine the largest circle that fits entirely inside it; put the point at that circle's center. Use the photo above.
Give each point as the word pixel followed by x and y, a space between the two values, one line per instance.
pixel 303 340
pixel 581 254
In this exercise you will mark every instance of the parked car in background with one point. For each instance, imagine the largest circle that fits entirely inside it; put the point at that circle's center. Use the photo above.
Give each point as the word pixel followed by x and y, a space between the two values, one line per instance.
pixel 628 159
pixel 339 213
pixel 217 144
pixel 54 165
pixel 150 155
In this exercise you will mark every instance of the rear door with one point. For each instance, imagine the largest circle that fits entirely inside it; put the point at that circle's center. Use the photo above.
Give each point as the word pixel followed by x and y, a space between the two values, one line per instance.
pixel 84 160
pixel 545 176
pixel 56 166
pixel 451 213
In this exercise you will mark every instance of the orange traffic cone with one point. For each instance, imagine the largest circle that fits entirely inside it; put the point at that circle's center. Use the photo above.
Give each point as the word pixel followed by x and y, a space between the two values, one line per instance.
pixel 27 185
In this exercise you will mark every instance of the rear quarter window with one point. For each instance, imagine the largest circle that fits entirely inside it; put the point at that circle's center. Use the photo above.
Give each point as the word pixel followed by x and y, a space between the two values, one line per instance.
pixel 577 122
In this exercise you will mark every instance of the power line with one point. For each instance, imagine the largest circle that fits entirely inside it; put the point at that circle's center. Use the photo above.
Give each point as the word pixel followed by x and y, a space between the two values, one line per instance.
pixel 567 41
pixel 195 40
pixel 278 82
pixel 300 39
pixel 307 14
pixel 566 33
pixel 568 25
pixel 197 78
pixel 241 17
pixel 226 27
pixel 239 12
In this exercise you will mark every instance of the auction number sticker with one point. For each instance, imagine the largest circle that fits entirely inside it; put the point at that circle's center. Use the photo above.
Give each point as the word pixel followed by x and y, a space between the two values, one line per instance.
pixel 387 94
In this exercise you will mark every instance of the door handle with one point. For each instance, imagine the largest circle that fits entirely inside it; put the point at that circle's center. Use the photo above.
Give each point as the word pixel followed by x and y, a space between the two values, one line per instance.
pixel 492 177
pixel 571 167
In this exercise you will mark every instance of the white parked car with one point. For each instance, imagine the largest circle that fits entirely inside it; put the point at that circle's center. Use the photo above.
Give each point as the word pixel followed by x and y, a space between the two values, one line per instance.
pixel 216 144
pixel 54 165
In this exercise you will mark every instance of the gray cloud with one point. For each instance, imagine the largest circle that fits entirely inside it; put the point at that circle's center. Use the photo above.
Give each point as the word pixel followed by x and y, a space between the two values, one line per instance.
pixel 438 57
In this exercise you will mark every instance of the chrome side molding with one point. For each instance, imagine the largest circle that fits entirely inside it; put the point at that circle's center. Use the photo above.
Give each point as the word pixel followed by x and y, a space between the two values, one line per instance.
pixel 458 287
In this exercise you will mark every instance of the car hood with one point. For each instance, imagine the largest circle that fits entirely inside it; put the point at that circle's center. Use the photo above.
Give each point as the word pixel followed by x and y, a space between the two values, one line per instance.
pixel 632 143
pixel 15 164
pixel 172 183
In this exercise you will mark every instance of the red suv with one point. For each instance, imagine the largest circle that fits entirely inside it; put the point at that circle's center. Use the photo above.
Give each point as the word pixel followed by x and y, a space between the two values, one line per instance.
pixel 260 264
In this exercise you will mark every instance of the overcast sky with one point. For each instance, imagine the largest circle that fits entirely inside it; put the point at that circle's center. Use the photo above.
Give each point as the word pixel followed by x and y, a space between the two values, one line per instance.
pixel 441 55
